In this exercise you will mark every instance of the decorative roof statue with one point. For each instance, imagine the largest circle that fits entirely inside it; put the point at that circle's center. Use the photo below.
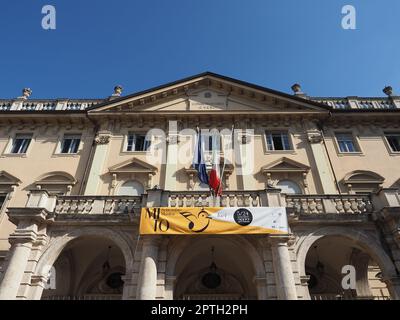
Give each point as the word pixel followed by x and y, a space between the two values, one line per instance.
pixel 117 91
pixel 26 93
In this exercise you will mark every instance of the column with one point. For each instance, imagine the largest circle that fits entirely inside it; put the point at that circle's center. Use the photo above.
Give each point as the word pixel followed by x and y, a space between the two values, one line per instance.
pixel 172 156
pixel 97 163
pixel 147 282
pixel 26 233
pixel 322 162
pixel 285 285
pixel 15 269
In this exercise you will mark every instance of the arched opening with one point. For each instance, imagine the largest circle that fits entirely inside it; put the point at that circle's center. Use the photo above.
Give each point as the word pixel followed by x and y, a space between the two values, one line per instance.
pixel 88 268
pixel 338 268
pixel 289 187
pixel 214 269
pixel 131 188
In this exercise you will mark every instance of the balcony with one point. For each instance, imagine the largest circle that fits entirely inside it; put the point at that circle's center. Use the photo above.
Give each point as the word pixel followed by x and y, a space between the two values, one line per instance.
pixel 97 205
pixel 228 199
pixel 329 204
pixel 297 205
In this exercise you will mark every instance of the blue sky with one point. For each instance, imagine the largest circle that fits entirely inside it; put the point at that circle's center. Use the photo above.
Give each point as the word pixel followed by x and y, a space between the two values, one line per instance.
pixel 140 44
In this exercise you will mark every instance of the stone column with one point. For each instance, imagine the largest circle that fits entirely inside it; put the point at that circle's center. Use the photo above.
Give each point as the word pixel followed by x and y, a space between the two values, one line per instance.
pixel 285 284
pixel 15 269
pixel 100 154
pixel 27 221
pixel 147 282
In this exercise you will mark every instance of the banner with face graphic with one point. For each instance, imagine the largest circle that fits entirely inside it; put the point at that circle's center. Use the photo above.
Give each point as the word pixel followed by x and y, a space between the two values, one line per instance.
pixel 192 221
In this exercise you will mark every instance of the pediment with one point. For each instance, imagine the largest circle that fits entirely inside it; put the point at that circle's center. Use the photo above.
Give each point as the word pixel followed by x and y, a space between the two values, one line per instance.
pixel 133 166
pixel 363 177
pixel 56 178
pixel 8 179
pixel 207 93
pixel 285 165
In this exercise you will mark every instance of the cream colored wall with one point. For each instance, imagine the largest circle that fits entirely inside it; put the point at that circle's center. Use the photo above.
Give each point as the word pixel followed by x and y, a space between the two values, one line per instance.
pixel 41 158
pixel 375 154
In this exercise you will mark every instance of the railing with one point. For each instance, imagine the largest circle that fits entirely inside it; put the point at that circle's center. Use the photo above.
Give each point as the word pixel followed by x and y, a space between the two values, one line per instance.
pixel 98 204
pixel 204 199
pixel 86 297
pixel 325 204
pixel 295 204
pixel 343 297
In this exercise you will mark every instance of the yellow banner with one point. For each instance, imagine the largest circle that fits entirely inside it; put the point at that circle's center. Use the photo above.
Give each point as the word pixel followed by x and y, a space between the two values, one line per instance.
pixel 192 221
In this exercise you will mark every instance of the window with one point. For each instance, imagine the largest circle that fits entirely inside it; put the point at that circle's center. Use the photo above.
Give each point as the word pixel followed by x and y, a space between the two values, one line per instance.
pixel 138 142
pixel 70 143
pixel 289 187
pixel 277 141
pixel 2 200
pixel 346 142
pixel 21 143
pixel 394 141
pixel 211 141
pixel 131 188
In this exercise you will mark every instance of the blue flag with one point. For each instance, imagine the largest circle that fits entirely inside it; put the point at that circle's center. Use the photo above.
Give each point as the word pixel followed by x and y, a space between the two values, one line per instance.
pixel 199 161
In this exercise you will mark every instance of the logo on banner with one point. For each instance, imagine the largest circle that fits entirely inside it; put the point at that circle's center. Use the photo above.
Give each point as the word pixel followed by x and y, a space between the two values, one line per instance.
pixel 243 217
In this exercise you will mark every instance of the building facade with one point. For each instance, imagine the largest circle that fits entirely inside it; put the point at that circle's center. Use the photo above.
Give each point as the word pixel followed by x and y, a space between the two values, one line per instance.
pixel 74 175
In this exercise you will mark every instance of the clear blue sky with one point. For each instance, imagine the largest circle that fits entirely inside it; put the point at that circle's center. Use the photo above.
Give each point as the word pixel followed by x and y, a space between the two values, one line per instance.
pixel 140 44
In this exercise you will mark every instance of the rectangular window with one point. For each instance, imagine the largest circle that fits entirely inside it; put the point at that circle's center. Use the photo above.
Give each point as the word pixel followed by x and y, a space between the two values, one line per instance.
pixel 138 142
pixel 70 143
pixel 2 200
pixel 394 141
pixel 277 140
pixel 211 141
pixel 21 143
pixel 346 142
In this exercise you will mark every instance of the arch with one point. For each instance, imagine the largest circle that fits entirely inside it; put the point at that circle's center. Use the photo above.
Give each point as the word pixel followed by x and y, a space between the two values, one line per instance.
pixel 131 188
pixel 370 246
pixel 177 247
pixel 55 247
pixel 246 268
pixel 289 186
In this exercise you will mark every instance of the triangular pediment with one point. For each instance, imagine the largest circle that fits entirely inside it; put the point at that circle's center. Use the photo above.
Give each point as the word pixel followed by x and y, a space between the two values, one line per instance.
pixel 209 92
pixel 285 165
pixel 8 179
pixel 133 166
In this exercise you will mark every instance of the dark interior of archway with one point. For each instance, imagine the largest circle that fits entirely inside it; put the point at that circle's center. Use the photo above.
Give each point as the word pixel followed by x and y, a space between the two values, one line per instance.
pixel 226 274
pixel 324 267
pixel 89 268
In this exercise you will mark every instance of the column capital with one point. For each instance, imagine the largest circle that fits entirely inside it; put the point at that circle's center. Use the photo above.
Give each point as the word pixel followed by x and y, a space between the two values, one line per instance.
pixel 102 138
pixel 21 215
pixel 22 238
pixel 314 136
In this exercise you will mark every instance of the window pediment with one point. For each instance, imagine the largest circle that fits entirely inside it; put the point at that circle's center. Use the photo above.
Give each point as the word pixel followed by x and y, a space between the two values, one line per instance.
pixel 8 179
pixel 56 178
pixel 285 165
pixel 133 166
pixel 363 177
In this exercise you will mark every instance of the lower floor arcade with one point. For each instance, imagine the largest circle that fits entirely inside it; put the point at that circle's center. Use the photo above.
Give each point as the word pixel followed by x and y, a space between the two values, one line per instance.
pixel 104 263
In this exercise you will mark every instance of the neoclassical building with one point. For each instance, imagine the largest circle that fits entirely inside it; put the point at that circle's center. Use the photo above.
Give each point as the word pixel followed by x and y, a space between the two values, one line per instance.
pixel 75 174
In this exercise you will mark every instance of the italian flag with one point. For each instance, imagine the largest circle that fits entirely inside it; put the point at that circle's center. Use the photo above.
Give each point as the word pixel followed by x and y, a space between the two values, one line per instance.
pixel 215 179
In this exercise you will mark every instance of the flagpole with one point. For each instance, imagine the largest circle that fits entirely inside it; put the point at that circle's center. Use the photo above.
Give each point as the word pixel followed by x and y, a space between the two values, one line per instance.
pixel 223 166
